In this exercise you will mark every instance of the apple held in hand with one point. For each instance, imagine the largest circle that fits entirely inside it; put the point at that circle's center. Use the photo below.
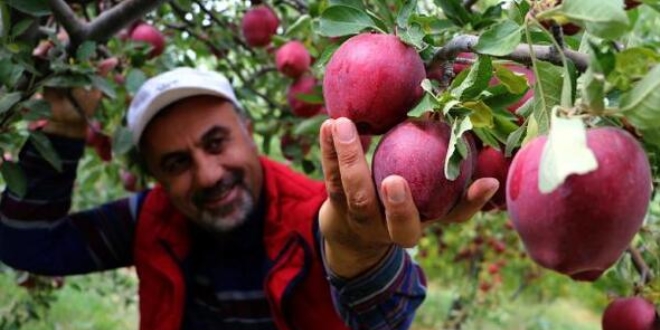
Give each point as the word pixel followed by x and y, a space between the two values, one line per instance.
pixel 416 150
pixel 582 227
pixel 259 25
pixel 374 80
pixel 635 313
pixel 293 59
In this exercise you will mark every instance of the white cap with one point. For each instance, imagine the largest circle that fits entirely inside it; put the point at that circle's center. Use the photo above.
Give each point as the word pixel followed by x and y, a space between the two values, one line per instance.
pixel 171 86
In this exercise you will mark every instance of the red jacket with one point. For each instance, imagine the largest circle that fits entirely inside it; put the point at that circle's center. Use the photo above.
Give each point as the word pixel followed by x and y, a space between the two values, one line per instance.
pixel 296 287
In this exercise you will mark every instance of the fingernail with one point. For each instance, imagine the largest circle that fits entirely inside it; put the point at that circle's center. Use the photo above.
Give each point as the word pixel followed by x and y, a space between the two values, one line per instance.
pixel 396 191
pixel 345 130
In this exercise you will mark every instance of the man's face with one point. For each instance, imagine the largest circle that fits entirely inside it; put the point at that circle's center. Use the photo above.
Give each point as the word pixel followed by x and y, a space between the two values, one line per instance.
pixel 202 152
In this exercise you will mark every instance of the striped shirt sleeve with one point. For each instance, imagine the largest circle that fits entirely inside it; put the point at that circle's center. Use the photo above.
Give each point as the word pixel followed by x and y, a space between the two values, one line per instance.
pixel 38 234
pixel 385 297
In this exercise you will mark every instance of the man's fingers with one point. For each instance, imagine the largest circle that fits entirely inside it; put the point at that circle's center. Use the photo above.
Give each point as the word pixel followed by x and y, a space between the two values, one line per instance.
pixel 478 194
pixel 403 222
pixel 329 162
pixel 355 173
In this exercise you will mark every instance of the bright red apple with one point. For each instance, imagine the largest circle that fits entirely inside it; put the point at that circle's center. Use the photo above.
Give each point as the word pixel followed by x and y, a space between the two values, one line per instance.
pixel 146 33
pixel 491 163
pixel 581 228
pixel 634 313
pixel 292 59
pixel 305 85
pixel 416 150
pixel 259 25
pixel 373 79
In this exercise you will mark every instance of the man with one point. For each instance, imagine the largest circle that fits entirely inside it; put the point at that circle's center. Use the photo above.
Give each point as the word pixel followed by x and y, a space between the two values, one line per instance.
pixel 228 239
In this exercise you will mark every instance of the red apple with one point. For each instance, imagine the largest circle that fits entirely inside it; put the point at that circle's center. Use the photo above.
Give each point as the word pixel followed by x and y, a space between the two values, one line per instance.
pixel 634 313
pixel 416 150
pixel 581 228
pixel 293 59
pixel 305 85
pixel 128 180
pixel 146 33
pixel 491 163
pixel 373 79
pixel 259 25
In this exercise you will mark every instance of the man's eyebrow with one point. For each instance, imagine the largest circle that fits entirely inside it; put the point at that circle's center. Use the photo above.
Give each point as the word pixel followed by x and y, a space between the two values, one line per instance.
pixel 213 132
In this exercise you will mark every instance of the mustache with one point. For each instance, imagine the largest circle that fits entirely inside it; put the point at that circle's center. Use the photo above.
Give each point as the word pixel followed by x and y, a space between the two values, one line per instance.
pixel 217 190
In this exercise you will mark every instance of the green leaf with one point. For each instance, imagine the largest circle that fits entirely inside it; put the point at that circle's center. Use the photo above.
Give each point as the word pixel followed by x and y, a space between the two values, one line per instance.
pixel 630 65
pixel 303 22
pixel 4 22
pixel 514 83
pixel 641 105
pixel 122 141
pixel 39 109
pixel 21 27
pixel 455 11
pixel 482 115
pixel 340 21
pixel 514 139
pixel 500 39
pixel 104 86
pixel 30 7
pixel 454 159
pixel 427 103
pixel 347 3
pixel 405 13
pixel 67 81
pixel 604 19
pixel 412 35
pixel 476 81
pixel 651 136
pixel 85 50
pixel 45 148
pixel 547 95
pixel 15 178
pixel 7 101
pixel 134 80
pixel 310 126
pixel 326 55
pixel 565 153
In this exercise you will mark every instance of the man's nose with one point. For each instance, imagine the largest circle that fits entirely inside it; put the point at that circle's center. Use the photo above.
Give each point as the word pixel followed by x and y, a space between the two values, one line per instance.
pixel 207 172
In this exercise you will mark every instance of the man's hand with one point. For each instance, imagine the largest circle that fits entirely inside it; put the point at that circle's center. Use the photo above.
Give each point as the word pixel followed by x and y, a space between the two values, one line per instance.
pixel 358 231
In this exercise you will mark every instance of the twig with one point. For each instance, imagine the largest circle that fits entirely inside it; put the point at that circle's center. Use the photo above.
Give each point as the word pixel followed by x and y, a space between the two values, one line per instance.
pixel 465 43
pixel 640 265
pixel 215 18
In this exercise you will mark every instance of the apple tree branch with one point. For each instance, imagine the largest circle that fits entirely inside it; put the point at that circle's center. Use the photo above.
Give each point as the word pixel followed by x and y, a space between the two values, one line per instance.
pixel 465 43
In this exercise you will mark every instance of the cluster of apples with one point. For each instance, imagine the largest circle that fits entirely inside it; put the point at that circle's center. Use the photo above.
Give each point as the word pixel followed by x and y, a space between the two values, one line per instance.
pixel 580 229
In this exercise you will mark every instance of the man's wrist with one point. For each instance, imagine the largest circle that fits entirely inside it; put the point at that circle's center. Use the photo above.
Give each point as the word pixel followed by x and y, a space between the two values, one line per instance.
pixel 348 262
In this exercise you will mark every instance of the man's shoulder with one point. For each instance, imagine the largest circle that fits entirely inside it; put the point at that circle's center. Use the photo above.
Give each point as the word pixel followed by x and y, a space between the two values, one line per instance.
pixel 289 182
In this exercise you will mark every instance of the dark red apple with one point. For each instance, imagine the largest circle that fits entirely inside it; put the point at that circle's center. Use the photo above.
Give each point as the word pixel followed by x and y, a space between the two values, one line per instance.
pixel 305 85
pixel 491 163
pixel 146 33
pixel 634 313
pixel 293 59
pixel 259 25
pixel 581 228
pixel 129 180
pixel 373 79
pixel 416 150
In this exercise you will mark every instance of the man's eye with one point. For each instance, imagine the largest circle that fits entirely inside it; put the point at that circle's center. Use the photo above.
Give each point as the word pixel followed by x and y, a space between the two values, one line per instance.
pixel 176 165
pixel 215 145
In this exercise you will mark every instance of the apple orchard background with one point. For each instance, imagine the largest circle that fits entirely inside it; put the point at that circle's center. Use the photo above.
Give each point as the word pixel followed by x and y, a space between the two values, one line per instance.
pixel 605 73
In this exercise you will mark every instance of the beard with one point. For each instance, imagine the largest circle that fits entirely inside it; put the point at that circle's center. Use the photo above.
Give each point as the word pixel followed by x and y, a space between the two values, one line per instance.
pixel 229 216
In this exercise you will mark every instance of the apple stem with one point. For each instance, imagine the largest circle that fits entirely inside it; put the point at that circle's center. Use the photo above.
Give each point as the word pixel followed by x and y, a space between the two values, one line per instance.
pixel 640 265
pixel 558 34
